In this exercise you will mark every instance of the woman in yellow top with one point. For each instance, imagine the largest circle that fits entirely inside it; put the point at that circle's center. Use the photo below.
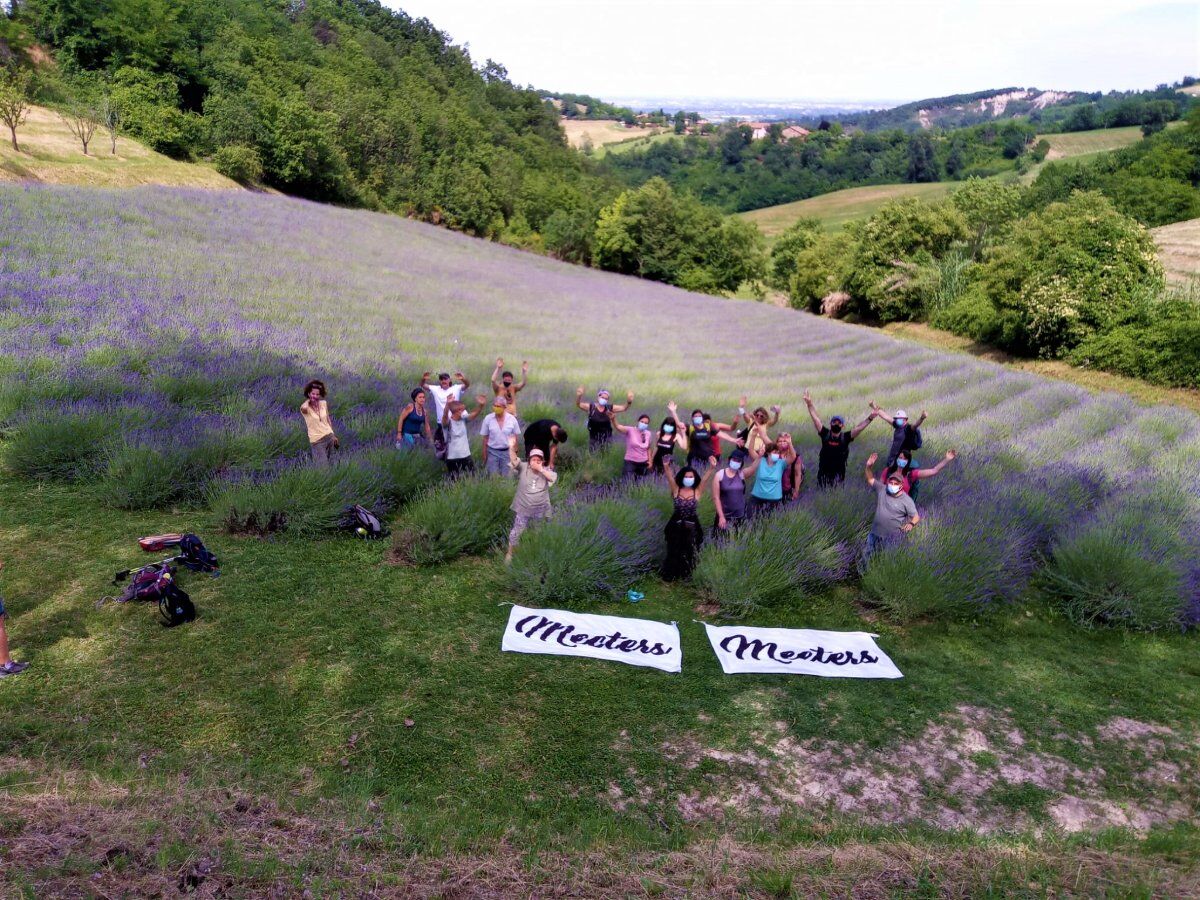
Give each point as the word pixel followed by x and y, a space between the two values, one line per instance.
pixel 315 411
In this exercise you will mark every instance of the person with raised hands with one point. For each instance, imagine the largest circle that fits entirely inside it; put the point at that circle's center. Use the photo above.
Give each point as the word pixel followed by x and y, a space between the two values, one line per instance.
pixel 684 533
pixel 756 432
pixel 637 445
pixel 503 384
pixel 702 439
pixel 912 476
pixel 895 512
pixel 599 427
pixel 768 471
pixel 905 436
pixel 671 434
pixel 458 442
pixel 793 475
pixel 532 499
pixel 835 444
pixel 443 392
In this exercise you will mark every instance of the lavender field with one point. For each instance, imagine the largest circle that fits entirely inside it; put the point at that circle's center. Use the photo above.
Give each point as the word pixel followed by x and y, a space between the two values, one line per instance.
pixel 339 719
pixel 155 341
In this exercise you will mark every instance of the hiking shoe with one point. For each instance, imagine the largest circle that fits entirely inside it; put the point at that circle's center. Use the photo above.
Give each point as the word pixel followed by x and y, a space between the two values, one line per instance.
pixel 12 667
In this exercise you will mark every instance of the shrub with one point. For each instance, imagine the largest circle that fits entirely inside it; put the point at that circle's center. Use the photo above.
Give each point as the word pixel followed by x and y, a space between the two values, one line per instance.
pixel 820 269
pixel 1164 349
pixel 591 552
pixel 60 445
pixel 787 556
pixel 845 510
pixel 239 162
pixel 300 499
pixel 467 516
pixel 798 237
pixel 1132 565
pixel 405 473
pixel 972 315
pixel 143 477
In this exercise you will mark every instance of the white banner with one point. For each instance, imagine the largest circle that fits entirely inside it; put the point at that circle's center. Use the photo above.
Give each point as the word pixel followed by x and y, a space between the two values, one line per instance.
pixel 637 642
pixel 800 651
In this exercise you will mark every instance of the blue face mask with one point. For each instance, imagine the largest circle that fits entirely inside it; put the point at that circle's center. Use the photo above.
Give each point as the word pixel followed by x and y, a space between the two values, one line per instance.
pixel 668 429
pixel 899 423
pixel 734 465
pixel 697 421
pixel 893 489
pixel 902 463
pixel 773 457
pixel 602 401
pixel 643 426
pixel 688 481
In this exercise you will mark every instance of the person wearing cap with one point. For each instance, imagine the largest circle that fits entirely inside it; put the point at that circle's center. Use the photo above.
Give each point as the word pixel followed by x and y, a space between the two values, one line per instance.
pixel 599 427
pixel 321 437
pixel 895 512
pixel 835 444
pixel 502 383
pixel 906 468
pixel 904 435
pixel 532 499
pixel 498 427
pixel 442 392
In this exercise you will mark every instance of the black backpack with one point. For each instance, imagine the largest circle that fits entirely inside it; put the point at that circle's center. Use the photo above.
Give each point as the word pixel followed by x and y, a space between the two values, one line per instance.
pixel 195 556
pixel 366 524
pixel 175 607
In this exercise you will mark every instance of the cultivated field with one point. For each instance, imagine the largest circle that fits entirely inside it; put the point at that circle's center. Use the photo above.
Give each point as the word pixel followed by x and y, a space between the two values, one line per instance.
pixel 1083 143
pixel 336 722
pixel 50 154
pixel 1179 250
pixel 599 132
pixel 837 208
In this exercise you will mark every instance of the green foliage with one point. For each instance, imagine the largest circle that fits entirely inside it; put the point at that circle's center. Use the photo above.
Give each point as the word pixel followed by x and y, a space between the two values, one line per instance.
pixel 1161 346
pixel 60 446
pixel 971 315
pixel 821 269
pixel 468 516
pixel 1070 271
pixel 891 245
pixel 797 238
pixel 149 109
pixel 987 206
pixel 788 556
pixel 14 100
pixel 590 553
pixel 655 233
pixel 241 163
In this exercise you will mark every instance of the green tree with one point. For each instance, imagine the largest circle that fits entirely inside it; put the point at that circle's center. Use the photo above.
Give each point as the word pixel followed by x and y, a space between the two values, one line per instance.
pixel 922 162
pixel 799 236
pixel 14 100
pixel 987 206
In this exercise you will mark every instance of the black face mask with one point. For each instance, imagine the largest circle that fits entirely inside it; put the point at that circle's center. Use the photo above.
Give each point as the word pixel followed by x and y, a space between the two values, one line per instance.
pixel 835 428
pixel 508 382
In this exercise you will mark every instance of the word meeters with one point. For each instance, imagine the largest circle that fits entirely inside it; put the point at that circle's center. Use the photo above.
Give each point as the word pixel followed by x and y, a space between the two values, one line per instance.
pixel 543 628
pixel 741 647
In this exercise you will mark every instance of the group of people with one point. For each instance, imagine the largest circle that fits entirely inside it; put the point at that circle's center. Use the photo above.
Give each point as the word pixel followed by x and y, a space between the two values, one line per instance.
pixel 436 417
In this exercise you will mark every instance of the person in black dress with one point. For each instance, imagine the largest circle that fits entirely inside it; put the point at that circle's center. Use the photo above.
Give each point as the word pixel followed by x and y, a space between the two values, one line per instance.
pixel 684 533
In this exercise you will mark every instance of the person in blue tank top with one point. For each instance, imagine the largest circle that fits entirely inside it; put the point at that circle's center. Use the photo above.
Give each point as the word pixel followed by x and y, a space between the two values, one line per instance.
pixel 768 471
pixel 412 428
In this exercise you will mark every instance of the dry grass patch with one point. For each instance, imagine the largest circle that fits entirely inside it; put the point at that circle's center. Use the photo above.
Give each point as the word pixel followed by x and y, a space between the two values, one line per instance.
pixel 1179 250
pixel 598 132
pixel 837 208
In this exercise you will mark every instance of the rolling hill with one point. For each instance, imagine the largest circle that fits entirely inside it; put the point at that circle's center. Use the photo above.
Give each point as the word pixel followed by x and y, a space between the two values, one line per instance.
pixel 336 724
pixel 1179 250
pixel 835 209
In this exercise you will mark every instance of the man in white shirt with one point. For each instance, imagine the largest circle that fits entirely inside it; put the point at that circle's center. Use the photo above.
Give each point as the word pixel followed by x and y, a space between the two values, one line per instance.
pixel 498 426
pixel 442 392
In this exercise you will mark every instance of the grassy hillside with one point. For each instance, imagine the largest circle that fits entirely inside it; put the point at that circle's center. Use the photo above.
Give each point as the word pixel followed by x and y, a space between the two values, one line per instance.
pixel 600 132
pixel 1179 250
pixel 334 723
pixel 50 154
pixel 835 209
pixel 1081 143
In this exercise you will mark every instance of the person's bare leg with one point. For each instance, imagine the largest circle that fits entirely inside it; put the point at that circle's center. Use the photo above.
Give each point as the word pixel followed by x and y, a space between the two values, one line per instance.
pixel 5 659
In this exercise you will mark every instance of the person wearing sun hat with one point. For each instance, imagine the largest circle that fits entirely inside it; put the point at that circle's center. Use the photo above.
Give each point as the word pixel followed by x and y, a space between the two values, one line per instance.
pixel 532 499
pixel 835 444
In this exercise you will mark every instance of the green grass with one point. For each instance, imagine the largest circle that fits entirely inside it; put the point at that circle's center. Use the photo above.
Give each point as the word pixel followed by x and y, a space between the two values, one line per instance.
pixel 835 209
pixel 318 670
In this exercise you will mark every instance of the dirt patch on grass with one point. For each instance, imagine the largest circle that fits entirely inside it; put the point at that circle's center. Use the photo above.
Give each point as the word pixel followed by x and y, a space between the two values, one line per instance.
pixel 971 770
pixel 74 835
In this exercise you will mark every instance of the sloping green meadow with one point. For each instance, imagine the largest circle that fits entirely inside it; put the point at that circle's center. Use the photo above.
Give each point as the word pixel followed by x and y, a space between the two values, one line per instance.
pixel 337 722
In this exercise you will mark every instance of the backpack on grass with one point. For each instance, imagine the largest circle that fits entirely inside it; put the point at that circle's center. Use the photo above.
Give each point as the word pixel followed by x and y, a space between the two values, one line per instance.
pixel 365 523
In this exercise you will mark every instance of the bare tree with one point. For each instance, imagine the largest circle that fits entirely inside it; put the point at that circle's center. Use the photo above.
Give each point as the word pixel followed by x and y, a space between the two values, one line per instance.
pixel 14 101
pixel 82 121
pixel 110 117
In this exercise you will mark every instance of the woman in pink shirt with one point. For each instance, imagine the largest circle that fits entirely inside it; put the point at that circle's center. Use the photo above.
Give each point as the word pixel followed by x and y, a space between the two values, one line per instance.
pixel 638 439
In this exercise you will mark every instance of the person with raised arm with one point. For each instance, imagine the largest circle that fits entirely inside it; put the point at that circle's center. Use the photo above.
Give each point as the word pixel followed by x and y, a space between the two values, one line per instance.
pixel 671 434
pixel 498 426
pixel 532 499
pixel 458 442
pixel 913 476
pixel 412 428
pixel 729 493
pixel 637 445
pixel 502 383
pixel 793 475
pixel 599 427
pixel 835 444
pixel 702 434
pixel 895 513
pixel 768 470
pixel 756 433
pixel 684 533
pixel 315 411
pixel 904 435
pixel 442 392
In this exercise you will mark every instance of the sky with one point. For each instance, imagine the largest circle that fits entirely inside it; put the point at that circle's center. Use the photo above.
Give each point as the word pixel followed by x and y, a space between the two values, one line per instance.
pixel 823 49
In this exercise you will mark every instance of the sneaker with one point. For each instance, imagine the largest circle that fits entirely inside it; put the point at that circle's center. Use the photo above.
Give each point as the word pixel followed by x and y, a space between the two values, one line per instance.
pixel 12 667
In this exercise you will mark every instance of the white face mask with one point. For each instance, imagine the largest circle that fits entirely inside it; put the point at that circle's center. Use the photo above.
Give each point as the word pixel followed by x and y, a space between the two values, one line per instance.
pixel 893 489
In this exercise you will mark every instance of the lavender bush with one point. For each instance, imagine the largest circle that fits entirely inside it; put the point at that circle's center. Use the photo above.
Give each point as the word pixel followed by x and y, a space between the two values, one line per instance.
pixel 470 515
pixel 157 340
